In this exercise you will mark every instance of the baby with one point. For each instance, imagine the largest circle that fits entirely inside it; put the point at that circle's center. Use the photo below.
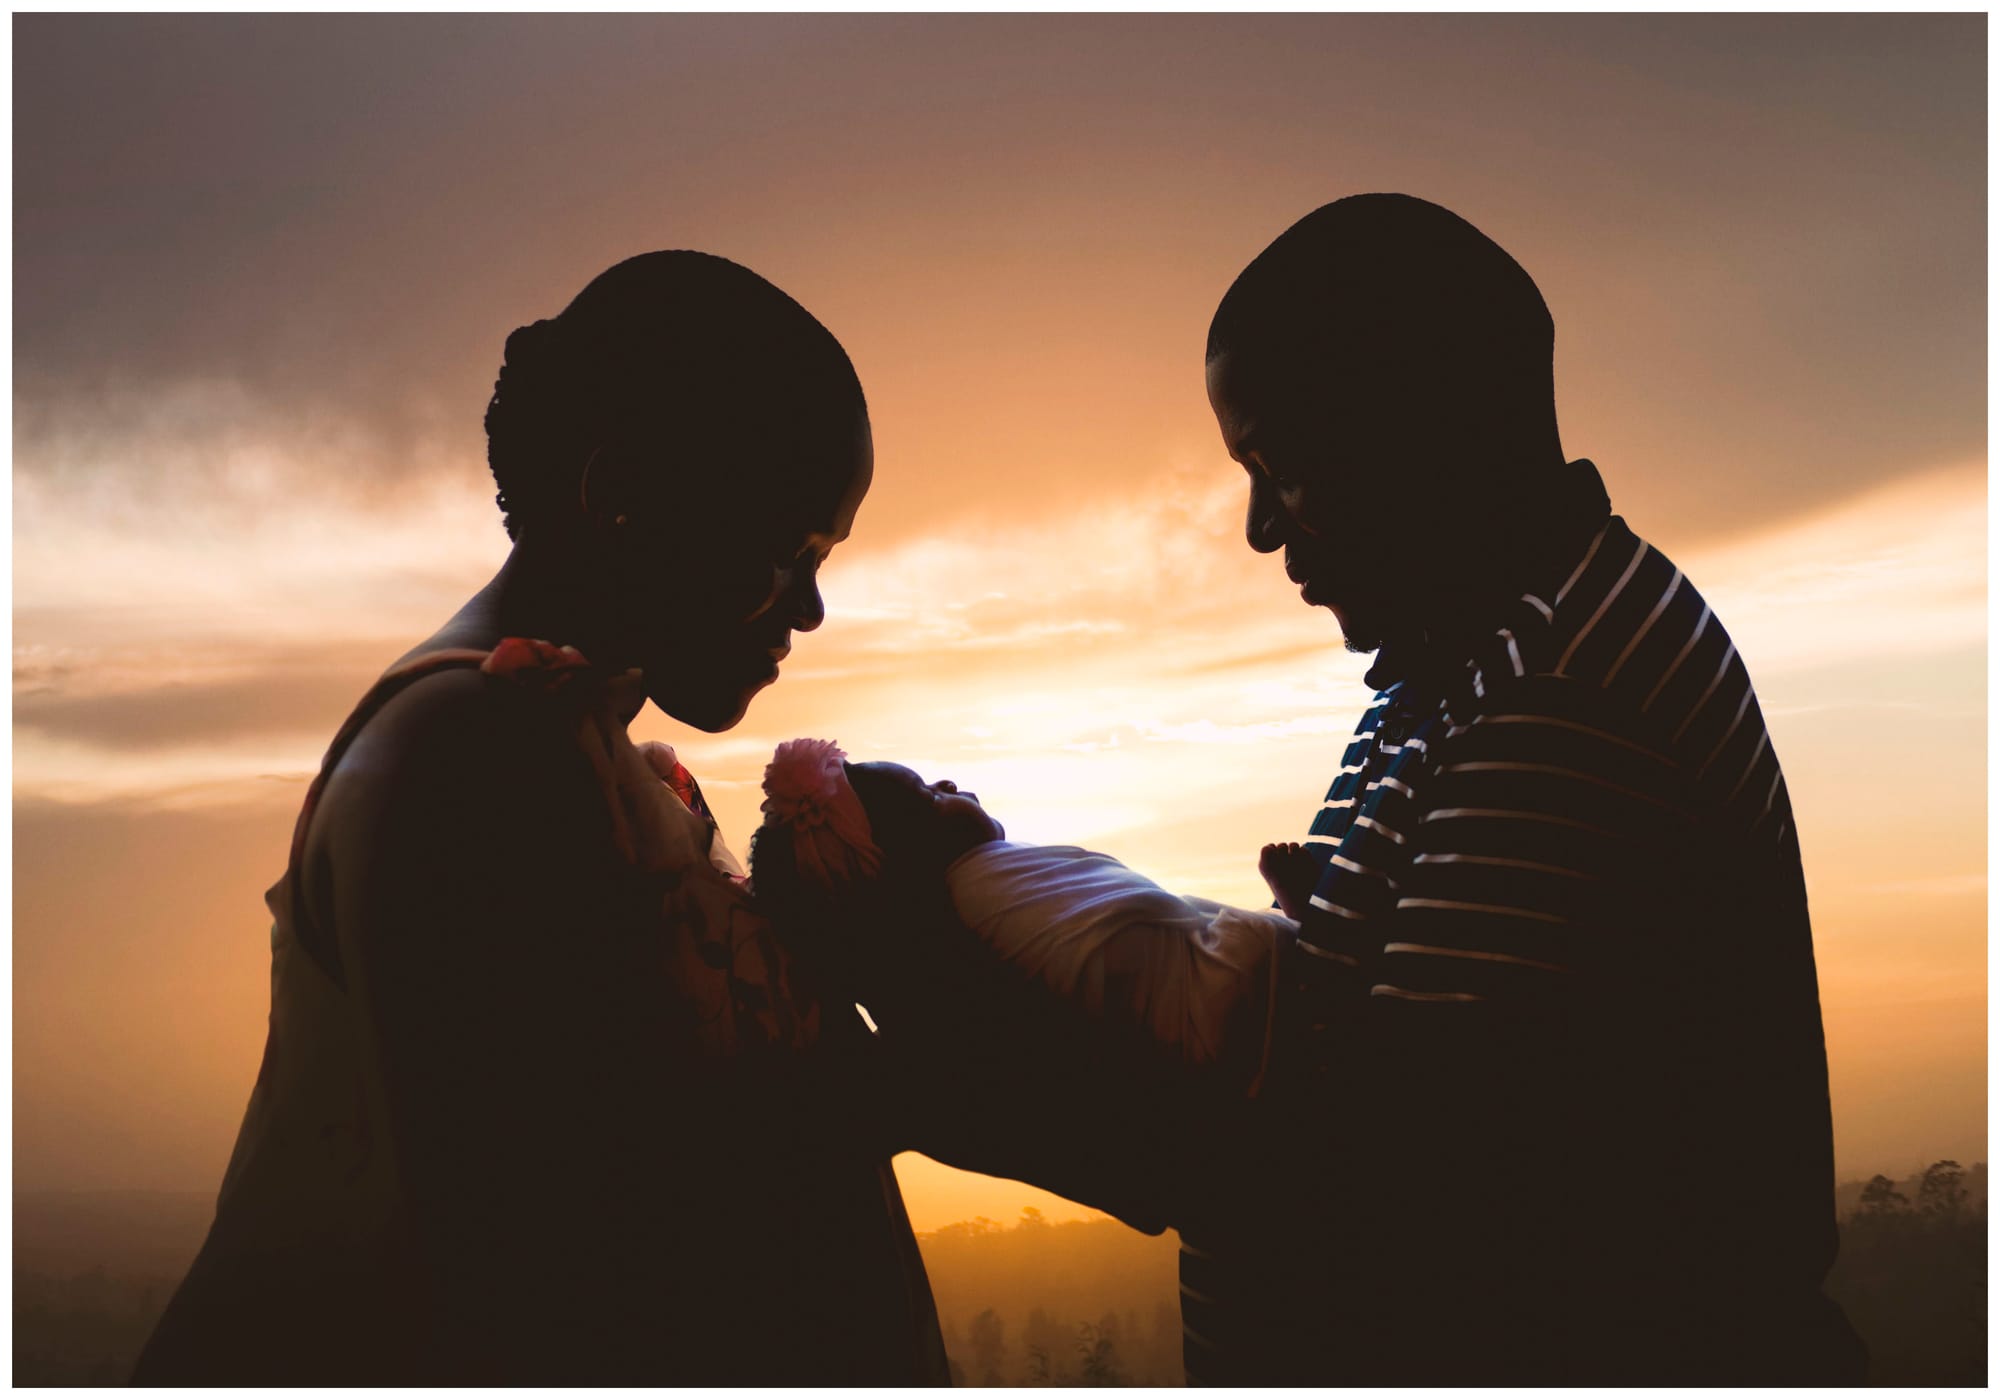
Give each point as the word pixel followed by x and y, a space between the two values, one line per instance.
pixel 1194 976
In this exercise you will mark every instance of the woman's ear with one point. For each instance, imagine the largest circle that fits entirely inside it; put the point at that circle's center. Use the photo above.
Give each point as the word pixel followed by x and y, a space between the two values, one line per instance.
pixel 605 488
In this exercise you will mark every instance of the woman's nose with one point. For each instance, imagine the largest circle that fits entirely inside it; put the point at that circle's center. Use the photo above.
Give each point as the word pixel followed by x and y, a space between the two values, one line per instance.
pixel 808 607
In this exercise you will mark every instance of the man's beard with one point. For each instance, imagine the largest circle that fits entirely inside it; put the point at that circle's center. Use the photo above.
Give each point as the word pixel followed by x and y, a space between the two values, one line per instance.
pixel 1361 635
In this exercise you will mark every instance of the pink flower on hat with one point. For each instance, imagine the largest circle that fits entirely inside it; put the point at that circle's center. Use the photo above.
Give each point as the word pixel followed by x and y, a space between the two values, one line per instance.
pixel 806 788
pixel 804 780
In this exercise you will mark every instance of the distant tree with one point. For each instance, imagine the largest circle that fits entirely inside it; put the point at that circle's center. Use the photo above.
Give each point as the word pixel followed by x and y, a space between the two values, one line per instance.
pixel 1097 1356
pixel 987 1342
pixel 1052 1340
pixel 1038 1366
pixel 1942 1191
pixel 1880 1197
pixel 1912 1281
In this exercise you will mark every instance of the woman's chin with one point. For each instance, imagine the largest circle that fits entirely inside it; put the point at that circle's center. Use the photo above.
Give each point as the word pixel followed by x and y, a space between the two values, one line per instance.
pixel 712 713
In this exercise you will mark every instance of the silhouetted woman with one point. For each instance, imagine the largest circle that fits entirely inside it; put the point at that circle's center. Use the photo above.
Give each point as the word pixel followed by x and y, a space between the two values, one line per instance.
pixel 541 1100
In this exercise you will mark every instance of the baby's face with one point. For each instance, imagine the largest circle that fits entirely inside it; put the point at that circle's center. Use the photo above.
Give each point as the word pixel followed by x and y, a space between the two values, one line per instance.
pixel 934 821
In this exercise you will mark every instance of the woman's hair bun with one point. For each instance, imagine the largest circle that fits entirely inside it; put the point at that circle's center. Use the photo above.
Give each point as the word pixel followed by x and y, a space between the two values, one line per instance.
pixel 533 410
pixel 670 339
pixel 529 344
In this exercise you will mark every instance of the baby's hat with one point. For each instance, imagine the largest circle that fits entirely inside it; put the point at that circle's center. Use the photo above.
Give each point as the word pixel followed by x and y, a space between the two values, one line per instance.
pixel 807 792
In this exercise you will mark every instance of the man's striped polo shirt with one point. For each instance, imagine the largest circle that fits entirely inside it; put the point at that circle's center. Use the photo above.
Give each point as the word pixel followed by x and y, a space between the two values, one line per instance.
pixel 1549 1061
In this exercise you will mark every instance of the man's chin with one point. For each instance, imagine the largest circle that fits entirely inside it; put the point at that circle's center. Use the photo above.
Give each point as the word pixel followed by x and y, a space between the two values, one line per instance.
pixel 1358 636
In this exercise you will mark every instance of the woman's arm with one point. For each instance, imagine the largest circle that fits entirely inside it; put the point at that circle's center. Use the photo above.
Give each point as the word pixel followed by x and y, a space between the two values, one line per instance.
pixel 462 854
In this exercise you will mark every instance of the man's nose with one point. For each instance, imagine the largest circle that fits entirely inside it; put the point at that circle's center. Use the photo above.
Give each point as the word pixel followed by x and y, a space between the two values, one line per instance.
pixel 1260 525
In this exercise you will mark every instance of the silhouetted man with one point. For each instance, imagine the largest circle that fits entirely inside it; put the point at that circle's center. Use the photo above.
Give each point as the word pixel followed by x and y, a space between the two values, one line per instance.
pixel 1545 1096
pixel 1547 1067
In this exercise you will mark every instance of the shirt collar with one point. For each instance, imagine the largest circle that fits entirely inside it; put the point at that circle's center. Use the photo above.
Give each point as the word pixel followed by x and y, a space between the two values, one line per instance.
pixel 1548 524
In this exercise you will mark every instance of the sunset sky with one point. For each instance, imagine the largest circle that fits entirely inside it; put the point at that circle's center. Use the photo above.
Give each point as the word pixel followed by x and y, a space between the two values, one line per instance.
pixel 264 268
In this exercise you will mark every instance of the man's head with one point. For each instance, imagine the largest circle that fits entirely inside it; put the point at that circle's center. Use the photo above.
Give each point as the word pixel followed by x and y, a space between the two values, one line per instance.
pixel 695 442
pixel 1382 371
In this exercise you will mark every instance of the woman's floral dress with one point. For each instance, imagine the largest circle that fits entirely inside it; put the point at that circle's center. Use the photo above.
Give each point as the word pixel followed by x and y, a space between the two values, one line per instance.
pixel 800 1268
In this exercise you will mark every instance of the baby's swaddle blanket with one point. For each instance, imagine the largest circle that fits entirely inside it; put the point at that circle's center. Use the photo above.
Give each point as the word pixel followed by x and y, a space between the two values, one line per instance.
pixel 1195 975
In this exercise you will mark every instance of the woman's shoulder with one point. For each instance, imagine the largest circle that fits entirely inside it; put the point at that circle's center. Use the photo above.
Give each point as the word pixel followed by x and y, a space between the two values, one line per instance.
pixel 449 715
pixel 456 742
pixel 456 785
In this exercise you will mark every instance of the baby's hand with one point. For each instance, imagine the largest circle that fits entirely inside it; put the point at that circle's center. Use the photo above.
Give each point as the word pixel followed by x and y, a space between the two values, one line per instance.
pixel 1292 872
